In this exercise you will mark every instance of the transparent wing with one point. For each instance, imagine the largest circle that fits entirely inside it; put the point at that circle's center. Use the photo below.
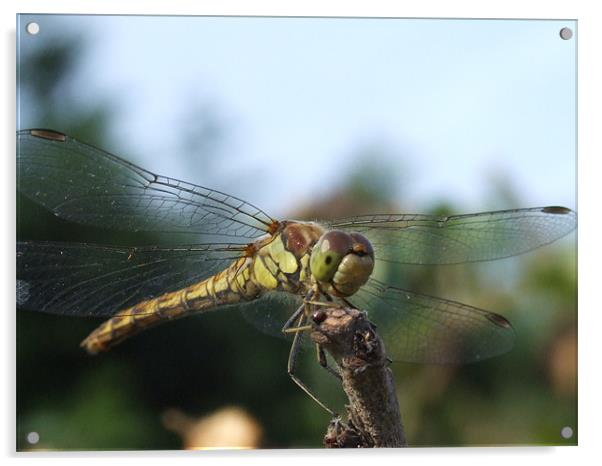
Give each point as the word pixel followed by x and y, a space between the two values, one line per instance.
pixel 426 239
pixel 269 313
pixel 94 280
pixel 81 183
pixel 425 329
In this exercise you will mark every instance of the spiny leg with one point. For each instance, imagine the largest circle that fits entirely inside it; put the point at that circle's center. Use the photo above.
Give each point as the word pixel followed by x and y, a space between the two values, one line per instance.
pixel 289 325
pixel 291 320
pixel 288 328
pixel 322 303
pixel 292 364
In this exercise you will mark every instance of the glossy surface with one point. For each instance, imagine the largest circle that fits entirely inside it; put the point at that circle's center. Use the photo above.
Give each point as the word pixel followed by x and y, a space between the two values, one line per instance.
pixel 83 184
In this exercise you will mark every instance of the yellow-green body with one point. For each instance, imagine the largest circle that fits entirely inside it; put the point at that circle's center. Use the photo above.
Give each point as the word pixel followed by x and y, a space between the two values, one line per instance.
pixel 275 262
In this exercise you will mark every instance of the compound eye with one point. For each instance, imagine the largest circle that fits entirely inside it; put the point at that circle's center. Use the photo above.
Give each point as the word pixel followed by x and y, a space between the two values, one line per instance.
pixel 328 253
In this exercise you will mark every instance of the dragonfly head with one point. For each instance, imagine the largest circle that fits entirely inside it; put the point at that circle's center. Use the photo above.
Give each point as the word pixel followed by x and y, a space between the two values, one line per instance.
pixel 342 262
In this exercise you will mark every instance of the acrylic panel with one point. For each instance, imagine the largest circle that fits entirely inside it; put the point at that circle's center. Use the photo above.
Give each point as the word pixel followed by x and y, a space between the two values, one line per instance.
pixel 276 171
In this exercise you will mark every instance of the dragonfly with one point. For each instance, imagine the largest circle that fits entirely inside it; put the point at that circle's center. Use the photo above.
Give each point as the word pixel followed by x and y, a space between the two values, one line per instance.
pixel 253 257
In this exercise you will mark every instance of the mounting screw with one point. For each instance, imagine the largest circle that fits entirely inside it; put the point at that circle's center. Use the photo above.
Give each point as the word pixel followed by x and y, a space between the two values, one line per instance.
pixel 566 33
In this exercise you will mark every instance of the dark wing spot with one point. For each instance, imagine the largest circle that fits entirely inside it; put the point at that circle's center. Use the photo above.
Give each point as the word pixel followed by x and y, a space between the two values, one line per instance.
pixel 556 210
pixel 49 134
pixel 499 320
pixel 328 260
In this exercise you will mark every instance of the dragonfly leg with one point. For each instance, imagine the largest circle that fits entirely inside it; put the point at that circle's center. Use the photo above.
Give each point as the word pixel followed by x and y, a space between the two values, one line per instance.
pixel 324 362
pixel 290 323
pixel 323 303
pixel 292 365
pixel 298 329
pixel 289 326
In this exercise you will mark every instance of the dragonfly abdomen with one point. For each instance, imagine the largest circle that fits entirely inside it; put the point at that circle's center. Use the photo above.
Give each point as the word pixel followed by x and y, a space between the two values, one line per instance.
pixel 230 286
pixel 267 266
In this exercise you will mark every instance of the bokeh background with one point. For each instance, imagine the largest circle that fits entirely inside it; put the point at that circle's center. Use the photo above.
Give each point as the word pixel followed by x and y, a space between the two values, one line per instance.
pixel 309 118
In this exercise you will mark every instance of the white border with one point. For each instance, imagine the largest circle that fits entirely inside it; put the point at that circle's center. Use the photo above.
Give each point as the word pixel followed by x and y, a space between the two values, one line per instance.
pixel 590 122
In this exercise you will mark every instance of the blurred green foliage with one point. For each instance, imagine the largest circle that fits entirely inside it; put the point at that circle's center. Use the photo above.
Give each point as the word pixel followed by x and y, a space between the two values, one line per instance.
pixel 200 364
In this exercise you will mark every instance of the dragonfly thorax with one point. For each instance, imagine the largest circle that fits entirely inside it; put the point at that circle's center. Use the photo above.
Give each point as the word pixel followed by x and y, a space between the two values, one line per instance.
pixel 342 262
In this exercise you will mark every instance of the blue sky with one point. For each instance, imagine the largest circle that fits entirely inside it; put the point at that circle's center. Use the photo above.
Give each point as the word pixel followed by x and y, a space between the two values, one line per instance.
pixel 454 102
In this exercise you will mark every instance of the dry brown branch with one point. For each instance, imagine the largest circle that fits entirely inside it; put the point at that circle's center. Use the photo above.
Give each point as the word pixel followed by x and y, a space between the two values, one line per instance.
pixel 374 419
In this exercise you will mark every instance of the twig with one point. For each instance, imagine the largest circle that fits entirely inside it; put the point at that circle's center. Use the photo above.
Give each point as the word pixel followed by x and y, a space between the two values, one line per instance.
pixel 374 419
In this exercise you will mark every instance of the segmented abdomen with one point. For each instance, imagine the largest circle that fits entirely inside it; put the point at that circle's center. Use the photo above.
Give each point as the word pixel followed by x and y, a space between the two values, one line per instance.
pixel 227 287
